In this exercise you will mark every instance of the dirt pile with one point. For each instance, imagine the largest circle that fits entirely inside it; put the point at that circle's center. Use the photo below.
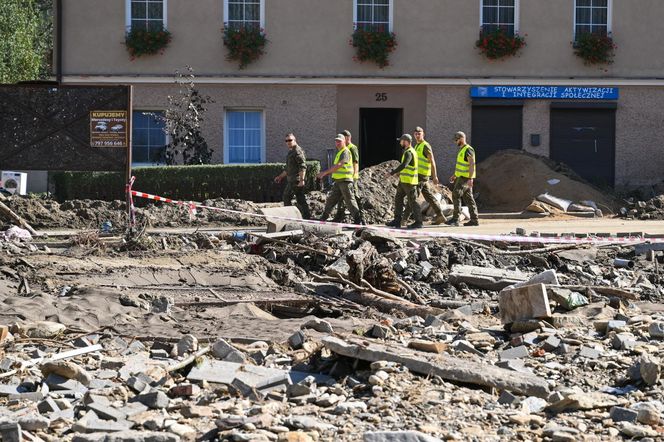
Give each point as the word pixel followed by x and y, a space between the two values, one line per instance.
pixel 510 180
pixel 91 214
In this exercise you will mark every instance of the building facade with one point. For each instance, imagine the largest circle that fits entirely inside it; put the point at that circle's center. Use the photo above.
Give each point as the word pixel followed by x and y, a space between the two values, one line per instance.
pixel 605 121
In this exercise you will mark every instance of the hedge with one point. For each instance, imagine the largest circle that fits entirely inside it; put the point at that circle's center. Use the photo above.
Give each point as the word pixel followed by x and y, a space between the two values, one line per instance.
pixel 253 182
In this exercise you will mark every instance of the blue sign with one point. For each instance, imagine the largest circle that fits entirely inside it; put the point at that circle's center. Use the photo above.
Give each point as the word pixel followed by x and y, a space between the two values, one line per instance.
pixel 545 92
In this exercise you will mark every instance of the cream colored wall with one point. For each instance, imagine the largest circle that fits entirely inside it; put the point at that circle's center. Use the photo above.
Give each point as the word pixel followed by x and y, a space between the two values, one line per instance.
pixel 310 38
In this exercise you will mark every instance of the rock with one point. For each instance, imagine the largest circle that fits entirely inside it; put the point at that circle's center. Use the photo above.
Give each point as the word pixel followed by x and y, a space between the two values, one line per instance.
pixel 648 414
pixel 623 341
pixel 522 303
pixel 621 414
pixel 656 330
pixel 296 341
pixel 638 431
pixel 186 433
pixel 10 432
pixel 34 422
pixel 650 369
pixel 187 345
pixel 295 436
pixel 551 343
pixel 44 330
pixel 585 401
pixel 397 436
pixel 589 353
pixel 380 332
pixel 514 353
pixel 533 404
pixel 307 423
pixel 349 407
pixel 66 369
pixel 126 436
pixel 507 398
pixel 297 390
pixel 154 399
pixel 616 325
pixel 226 352
pixel 320 325
pixel 428 346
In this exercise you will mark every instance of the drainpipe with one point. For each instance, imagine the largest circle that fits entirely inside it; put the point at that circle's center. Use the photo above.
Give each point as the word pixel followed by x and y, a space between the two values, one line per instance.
pixel 58 43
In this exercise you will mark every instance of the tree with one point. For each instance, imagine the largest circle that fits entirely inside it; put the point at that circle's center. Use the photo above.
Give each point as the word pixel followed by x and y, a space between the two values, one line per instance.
pixel 184 118
pixel 25 40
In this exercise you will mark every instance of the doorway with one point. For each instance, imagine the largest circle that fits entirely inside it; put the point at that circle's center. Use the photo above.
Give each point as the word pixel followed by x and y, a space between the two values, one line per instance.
pixel 585 140
pixel 496 128
pixel 379 130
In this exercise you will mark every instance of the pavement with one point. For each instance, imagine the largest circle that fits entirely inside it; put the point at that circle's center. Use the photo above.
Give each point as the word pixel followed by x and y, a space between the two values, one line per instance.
pixel 492 226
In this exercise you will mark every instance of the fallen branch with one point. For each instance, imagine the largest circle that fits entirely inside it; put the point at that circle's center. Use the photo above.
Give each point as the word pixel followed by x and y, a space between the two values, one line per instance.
pixel 289 244
pixel 557 248
pixel 388 305
pixel 188 360
pixel 12 216
pixel 412 291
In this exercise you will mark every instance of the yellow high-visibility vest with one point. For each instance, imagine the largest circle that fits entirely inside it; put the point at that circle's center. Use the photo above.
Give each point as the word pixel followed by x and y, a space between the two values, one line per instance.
pixel 346 171
pixel 409 174
pixel 463 166
pixel 424 165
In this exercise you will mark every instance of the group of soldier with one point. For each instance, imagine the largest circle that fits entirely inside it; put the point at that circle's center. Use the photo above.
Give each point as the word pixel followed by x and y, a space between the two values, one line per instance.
pixel 417 174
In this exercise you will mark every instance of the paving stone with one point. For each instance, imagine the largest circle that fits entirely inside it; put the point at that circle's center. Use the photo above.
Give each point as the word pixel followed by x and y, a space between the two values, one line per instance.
pixel 34 396
pixel 127 436
pixel 514 353
pixel 624 341
pixel 90 423
pixel 140 382
pixel 551 343
pixel 621 414
pixel 590 353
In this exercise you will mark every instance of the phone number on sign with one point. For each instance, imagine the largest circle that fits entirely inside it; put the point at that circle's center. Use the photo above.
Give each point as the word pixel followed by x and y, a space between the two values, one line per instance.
pixel 108 144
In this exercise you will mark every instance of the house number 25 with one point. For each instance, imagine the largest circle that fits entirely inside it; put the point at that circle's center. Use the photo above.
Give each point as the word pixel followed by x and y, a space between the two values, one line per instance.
pixel 381 96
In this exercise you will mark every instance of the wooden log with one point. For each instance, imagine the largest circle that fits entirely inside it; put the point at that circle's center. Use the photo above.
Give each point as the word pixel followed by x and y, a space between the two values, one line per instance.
pixel 10 215
pixel 447 367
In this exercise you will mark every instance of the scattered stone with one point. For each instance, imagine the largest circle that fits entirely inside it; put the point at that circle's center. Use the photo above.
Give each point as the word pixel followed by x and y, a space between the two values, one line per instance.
pixel 66 369
pixel 650 369
pixel 187 345
pixel 524 303
pixel 621 414
pixel 397 436
pixel 154 399
pixel 296 341
pixel 648 415
pixel 637 431
pixel 10 432
pixel 514 353
pixel 656 330
pixel 226 352
pixel 428 346
pixel 320 325
pixel 127 436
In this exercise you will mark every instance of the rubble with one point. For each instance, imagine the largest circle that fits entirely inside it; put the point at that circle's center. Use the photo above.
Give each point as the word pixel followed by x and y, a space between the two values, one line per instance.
pixel 312 336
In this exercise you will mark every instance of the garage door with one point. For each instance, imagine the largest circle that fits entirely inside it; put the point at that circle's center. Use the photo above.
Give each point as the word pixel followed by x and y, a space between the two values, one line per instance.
pixel 496 128
pixel 585 140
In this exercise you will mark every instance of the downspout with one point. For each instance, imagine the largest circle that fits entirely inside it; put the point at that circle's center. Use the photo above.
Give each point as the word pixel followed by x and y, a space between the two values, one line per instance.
pixel 58 74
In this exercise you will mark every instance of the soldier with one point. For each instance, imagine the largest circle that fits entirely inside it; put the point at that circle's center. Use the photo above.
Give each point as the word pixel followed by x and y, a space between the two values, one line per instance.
pixel 407 187
pixel 295 173
pixel 342 174
pixel 427 172
pixel 355 154
pixel 463 177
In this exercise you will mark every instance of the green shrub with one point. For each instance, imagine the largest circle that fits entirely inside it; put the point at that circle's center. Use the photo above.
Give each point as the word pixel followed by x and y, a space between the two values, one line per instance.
pixel 253 182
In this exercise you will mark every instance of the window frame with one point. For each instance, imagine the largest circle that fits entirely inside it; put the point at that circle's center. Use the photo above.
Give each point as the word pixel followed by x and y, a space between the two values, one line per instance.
pixel 609 18
pixel 390 15
pixel 262 13
pixel 128 14
pixel 517 10
pixel 133 127
pixel 227 132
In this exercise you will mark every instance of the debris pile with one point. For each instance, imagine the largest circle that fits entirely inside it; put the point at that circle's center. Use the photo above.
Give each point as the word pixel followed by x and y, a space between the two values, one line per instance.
pixel 305 336
pixel 509 181
pixel 653 209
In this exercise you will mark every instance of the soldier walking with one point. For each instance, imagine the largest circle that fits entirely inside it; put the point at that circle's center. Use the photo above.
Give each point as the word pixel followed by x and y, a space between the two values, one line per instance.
pixel 407 187
pixel 295 174
pixel 463 177
pixel 342 174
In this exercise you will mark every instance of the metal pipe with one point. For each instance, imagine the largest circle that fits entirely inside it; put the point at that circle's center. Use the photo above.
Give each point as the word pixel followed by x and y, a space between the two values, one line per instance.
pixel 626 263
pixel 58 44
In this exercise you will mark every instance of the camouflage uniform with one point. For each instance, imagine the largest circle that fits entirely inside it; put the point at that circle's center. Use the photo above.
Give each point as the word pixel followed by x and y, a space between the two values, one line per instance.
pixel 296 162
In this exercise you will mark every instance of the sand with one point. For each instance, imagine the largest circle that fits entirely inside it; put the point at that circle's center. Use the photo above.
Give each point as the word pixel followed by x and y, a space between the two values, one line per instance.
pixel 509 180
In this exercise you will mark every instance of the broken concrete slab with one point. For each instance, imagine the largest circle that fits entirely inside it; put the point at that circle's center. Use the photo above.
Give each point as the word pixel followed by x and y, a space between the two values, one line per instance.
pixel 127 436
pixel 586 401
pixel 277 225
pixel 447 367
pixel 528 302
pixel 486 277
pixel 398 436
pixel 222 372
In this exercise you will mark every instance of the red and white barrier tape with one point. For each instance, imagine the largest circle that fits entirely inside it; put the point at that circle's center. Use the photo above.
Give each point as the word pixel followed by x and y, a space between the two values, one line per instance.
pixel 192 206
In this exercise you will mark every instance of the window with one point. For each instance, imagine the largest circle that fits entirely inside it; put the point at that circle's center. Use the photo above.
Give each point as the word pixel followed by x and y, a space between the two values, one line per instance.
pixel 499 14
pixel 148 138
pixel 146 14
pixel 592 16
pixel 373 15
pixel 245 137
pixel 244 13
